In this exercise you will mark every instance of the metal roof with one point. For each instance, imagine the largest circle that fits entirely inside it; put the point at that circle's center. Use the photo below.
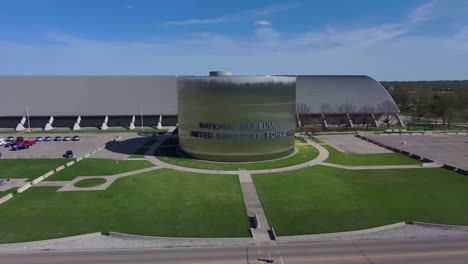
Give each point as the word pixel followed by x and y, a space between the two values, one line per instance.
pixel 123 95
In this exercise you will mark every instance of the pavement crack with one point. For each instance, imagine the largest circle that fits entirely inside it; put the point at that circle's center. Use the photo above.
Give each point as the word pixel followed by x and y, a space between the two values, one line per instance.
pixel 362 253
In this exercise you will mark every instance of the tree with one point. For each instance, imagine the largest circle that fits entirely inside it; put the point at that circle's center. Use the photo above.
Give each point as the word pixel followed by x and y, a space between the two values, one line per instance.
pixel 366 109
pixel 444 106
pixel 302 108
pixel 401 96
pixel 389 110
pixel 326 108
pixel 421 102
pixel 347 108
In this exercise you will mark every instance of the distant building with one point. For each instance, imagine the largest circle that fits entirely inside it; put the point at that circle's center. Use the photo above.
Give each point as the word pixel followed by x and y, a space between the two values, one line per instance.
pixel 118 101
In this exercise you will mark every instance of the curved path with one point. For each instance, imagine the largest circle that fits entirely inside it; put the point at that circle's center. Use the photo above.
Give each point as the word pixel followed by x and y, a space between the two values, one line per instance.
pixel 149 156
pixel 70 185
pixel 319 160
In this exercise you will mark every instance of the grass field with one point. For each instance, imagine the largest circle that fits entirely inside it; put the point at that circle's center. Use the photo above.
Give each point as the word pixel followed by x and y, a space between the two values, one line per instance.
pixel 99 167
pixel 316 140
pixel 323 199
pixel 338 157
pixel 90 182
pixel 157 203
pixel 4 193
pixel 304 153
pixel 28 168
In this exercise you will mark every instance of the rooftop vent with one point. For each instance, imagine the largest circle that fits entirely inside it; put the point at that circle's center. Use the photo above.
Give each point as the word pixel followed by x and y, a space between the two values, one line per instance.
pixel 220 73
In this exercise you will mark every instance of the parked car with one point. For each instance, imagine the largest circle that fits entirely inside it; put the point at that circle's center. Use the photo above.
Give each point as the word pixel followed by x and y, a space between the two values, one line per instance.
pixel 27 143
pixel 39 139
pixel 48 138
pixel 67 139
pixel 11 139
pixel 58 138
pixel 19 139
pixel 68 154
pixel 2 142
pixel 76 138
pixel 16 147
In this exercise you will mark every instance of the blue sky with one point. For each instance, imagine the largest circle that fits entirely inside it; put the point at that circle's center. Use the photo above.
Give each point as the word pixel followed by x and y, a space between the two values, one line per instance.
pixel 388 40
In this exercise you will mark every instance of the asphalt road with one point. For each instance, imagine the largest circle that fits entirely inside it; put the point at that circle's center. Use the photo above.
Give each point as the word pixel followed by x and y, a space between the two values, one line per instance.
pixel 441 250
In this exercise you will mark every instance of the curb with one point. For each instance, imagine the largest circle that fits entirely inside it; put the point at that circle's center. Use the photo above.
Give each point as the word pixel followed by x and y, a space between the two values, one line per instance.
pixel 299 238
pixel 47 242
pixel 50 173
pixel 181 239
pixel 442 226
pixel 6 198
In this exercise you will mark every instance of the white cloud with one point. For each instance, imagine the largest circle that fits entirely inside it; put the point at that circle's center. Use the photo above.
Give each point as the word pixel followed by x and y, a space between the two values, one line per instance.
pixel 424 11
pixel 361 37
pixel 386 52
pixel 208 21
pixel 262 23
pixel 246 15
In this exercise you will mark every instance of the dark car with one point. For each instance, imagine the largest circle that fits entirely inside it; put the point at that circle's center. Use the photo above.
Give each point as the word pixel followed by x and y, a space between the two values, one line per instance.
pixel 19 139
pixel 68 154
pixel 16 147
pixel 67 139
pixel 48 138
pixel 39 139
pixel 11 139
pixel 76 138
pixel 58 138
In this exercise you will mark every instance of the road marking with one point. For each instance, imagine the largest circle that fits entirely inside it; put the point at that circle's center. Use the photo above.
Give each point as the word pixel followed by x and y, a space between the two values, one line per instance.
pixel 382 256
pixel 230 262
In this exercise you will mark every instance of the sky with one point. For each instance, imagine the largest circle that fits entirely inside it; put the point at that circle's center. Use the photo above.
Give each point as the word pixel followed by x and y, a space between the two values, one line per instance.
pixel 387 40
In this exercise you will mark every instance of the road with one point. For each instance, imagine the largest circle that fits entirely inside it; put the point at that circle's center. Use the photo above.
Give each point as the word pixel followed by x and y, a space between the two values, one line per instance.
pixel 442 250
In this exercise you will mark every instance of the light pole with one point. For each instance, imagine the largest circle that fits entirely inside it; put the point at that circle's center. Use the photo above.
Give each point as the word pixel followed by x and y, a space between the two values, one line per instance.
pixel 27 116
pixel 141 116
pixel 403 135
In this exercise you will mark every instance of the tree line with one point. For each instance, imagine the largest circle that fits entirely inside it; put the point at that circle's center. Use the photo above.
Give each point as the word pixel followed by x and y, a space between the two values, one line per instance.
pixel 444 101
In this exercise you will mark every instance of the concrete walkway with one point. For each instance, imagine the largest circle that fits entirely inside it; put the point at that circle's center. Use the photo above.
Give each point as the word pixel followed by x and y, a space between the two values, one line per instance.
pixel 383 167
pixel 12 183
pixel 319 160
pixel 149 155
pixel 51 184
pixel 255 211
pixel 70 186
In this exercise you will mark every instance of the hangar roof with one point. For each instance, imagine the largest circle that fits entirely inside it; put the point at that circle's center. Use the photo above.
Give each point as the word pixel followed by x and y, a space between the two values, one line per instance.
pixel 124 95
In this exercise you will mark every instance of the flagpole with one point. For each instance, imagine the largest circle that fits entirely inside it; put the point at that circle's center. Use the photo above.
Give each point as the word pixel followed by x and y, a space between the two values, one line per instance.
pixel 141 116
pixel 27 115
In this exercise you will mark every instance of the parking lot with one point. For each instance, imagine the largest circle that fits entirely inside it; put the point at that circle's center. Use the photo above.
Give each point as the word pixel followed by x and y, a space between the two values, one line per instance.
pixel 87 143
pixel 443 149
pixel 351 144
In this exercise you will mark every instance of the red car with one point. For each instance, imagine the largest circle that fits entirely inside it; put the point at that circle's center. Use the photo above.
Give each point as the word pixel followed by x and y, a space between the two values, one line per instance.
pixel 27 143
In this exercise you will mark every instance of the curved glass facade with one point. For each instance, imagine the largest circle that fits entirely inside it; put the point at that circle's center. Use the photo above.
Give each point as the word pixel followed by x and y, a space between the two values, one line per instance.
pixel 236 118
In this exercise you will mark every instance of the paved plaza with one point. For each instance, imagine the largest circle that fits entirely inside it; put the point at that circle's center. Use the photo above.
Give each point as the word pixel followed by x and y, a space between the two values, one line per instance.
pixel 443 149
pixel 351 144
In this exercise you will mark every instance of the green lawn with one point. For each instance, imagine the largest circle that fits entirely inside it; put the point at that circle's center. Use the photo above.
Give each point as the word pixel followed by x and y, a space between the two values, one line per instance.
pixel 305 153
pixel 4 193
pixel 157 203
pixel 90 182
pixel 338 157
pixel 99 167
pixel 28 168
pixel 323 199
pixel 300 141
